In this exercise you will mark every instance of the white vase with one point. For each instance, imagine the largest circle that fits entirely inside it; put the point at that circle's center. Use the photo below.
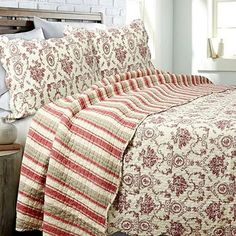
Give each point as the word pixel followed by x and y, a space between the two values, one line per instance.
pixel 8 132
pixel 220 52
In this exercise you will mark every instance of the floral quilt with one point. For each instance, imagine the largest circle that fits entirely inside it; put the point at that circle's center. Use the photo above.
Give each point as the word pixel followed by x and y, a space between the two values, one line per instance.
pixel 179 172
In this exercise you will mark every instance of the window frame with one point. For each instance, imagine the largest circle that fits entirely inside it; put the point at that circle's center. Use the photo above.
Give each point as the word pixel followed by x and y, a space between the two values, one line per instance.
pixel 215 16
pixel 211 65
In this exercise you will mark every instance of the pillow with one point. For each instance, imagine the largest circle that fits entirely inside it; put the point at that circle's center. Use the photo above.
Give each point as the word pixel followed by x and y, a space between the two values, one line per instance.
pixel 119 50
pixel 29 35
pixel 40 72
pixel 33 34
pixel 55 29
pixel 4 101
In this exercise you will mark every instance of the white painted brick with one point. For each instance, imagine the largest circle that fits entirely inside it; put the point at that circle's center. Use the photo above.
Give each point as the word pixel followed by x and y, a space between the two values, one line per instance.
pixel 120 3
pixel 82 8
pixel 47 6
pixel 32 5
pixel 8 4
pixel 90 2
pixel 118 21
pixel 108 3
pixel 108 20
pixel 56 1
pixel 122 12
pixel 112 12
pixel 74 2
pixel 66 7
pixel 99 9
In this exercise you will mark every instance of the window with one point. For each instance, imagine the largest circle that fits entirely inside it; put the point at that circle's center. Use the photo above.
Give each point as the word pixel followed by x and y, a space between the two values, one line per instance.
pixel 224 25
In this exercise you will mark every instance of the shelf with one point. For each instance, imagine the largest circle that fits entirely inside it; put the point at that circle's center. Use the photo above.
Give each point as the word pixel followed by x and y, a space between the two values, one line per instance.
pixel 218 65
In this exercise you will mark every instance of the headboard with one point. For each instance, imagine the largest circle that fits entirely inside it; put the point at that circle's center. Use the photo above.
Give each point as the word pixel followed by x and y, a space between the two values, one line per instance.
pixel 14 20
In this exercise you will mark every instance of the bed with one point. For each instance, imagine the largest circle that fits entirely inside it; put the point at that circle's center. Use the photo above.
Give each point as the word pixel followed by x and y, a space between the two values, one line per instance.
pixel 15 21
pixel 144 152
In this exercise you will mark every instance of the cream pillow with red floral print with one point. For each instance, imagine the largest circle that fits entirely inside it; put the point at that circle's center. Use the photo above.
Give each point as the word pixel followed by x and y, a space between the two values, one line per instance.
pixel 119 49
pixel 39 72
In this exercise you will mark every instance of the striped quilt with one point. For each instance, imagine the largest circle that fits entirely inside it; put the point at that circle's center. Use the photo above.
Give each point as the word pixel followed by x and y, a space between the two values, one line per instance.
pixel 72 164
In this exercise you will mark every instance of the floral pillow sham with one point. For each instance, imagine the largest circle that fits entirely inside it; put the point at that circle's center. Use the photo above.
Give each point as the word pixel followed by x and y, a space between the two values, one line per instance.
pixel 120 49
pixel 41 71
pixel 29 35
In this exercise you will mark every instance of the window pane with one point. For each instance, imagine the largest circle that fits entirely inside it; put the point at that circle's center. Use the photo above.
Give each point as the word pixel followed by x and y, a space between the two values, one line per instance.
pixel 226 16
pixel 229 36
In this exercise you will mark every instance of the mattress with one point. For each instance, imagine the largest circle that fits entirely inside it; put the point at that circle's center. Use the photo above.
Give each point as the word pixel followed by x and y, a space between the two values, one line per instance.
pixel 22 126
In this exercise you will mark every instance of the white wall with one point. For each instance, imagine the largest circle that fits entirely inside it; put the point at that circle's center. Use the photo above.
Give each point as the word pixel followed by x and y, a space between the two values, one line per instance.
pixel 114 10
pixel 159 21
pixel 182 36
pixel 190 41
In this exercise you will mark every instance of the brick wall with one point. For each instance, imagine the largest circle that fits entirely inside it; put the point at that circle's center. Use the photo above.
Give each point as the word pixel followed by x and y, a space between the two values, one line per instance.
pixel 114 10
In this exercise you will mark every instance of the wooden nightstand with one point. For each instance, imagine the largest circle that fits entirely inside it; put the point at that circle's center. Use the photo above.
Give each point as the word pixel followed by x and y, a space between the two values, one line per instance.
pixel 10 162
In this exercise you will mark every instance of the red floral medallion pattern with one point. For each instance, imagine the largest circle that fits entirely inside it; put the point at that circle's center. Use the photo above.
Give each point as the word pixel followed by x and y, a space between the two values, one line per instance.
pixel 179 172
pixel 39 72
pixel 119 50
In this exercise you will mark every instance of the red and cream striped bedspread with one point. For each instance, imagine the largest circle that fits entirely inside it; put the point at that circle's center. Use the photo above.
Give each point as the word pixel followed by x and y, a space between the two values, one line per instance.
pixel 72 164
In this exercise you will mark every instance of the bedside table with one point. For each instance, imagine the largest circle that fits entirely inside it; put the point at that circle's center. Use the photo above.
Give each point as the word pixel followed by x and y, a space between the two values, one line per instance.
pixel 10 163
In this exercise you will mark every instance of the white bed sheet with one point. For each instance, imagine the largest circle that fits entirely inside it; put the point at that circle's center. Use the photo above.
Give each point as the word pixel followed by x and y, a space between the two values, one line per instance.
pixel 22 126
